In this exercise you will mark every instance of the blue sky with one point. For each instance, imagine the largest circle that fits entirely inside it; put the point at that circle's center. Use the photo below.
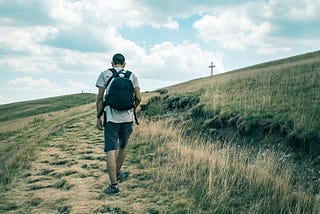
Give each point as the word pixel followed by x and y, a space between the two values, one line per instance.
pixel 57 47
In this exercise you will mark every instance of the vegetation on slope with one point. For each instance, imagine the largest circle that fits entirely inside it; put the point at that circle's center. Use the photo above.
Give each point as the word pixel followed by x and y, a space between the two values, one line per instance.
pixel 47 105
pixel 20 133
pixel 169 174
pixel 202 177
pixel 275 99
pixel 179 162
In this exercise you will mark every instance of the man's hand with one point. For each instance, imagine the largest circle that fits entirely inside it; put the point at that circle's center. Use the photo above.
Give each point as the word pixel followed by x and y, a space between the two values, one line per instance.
pixel 99 124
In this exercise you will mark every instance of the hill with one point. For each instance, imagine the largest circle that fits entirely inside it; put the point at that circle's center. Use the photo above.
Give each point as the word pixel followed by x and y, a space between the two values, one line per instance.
pixel 276 98
pixel 24 124
pixel 30 108
pixel 213 145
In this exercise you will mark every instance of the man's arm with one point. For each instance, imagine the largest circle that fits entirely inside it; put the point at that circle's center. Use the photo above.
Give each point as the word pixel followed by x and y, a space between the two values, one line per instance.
pixel 99 107
pixel 138 96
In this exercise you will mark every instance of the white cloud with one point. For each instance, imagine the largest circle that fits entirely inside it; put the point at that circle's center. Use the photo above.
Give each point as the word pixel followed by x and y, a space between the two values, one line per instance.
pixel 79 37
pixel 65 12
pixel 27 83
pixel 172 25
pixel 295 10
pixel 183 8
pixel 166 63
pixel 25 39
pixel 232 29
pixel 25 53
pixel 102 13
pixel 169 62
pixel 77 86
pixel 3 100
pixel 268 50
pixel 14 64
pixel 154 84
pixel 261 25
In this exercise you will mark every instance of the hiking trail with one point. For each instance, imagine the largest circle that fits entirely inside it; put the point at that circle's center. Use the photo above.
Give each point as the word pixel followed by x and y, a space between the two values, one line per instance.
pixel 68 175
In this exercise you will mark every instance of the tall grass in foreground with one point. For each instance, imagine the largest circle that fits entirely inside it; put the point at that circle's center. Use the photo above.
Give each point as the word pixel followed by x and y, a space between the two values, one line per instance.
pixel 216 179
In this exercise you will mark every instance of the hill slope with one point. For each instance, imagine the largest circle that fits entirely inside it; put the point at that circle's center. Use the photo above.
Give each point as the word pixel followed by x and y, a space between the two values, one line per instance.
pixel 47 105
pixel 280 97
pixel 275 105
pixel 187 156
pixel 63 171
pixel 66 172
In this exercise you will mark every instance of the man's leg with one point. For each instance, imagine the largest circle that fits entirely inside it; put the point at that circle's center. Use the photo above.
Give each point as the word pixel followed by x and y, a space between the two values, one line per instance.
pixel 111 145
pixel 124 135
pixel 111 133
pixel 120 158
pixel 112 166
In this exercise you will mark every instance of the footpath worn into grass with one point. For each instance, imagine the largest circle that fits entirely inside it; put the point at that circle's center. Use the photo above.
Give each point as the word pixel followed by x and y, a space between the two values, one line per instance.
pixel 68 176
pixel 65 172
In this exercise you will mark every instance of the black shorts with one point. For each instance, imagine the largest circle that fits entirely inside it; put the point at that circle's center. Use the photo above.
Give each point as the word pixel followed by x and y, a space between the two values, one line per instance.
pixel 116 135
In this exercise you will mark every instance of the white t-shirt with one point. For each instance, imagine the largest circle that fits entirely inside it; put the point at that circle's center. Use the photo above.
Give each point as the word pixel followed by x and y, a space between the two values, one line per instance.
pixel 114 115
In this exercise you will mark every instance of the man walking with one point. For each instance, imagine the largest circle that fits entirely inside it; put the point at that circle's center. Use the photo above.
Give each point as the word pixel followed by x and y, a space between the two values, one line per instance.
pixel 118 120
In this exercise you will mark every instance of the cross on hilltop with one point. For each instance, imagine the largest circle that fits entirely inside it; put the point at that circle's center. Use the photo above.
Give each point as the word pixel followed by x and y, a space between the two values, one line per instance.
pixel 211 67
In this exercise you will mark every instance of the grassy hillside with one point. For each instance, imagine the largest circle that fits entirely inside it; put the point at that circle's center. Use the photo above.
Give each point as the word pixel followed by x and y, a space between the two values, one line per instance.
pixel 276 98
pixel 24 125
pixel 184 157
pixel 34 107
pixel 60 168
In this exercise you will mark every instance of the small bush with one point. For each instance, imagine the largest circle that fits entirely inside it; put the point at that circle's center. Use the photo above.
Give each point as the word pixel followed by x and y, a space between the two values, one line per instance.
pixel 35 202
pixel 154 107
pixel 180 102
pixel 38 120
pixel 163 91
pixel 203 111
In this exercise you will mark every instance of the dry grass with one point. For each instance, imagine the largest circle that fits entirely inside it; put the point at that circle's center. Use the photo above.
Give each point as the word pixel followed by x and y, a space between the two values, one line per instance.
pixel 54 162
pixel 169 174
pixel 24 135
pixel 279 99
pixel 228 179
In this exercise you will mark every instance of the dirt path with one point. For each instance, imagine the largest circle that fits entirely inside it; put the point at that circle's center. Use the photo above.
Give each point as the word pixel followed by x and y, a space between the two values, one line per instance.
pixel 68 176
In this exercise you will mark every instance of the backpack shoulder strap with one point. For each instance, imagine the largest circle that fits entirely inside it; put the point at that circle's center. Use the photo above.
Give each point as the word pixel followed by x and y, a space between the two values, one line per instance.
pixel 114 74
pixel 112 70
pixel 127 74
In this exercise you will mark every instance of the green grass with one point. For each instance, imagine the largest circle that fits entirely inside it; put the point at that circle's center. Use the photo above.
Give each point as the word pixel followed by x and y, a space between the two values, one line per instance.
pixel 41 106
pixel 292 92
pixel 174 170
pixel 280 97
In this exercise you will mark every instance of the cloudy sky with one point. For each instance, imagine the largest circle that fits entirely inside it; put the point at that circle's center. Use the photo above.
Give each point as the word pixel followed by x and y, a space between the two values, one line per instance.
pixel 55 47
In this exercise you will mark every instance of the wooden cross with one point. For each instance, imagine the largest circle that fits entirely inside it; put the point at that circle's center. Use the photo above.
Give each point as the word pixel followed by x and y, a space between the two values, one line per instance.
pixel 211 67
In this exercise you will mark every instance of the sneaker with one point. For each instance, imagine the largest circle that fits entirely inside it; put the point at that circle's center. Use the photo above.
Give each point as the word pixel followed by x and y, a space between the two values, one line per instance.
pixel 122 175
pixel 112 190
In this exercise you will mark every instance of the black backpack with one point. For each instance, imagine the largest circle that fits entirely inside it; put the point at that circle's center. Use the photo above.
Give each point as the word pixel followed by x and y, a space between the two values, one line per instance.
pixel 120 95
